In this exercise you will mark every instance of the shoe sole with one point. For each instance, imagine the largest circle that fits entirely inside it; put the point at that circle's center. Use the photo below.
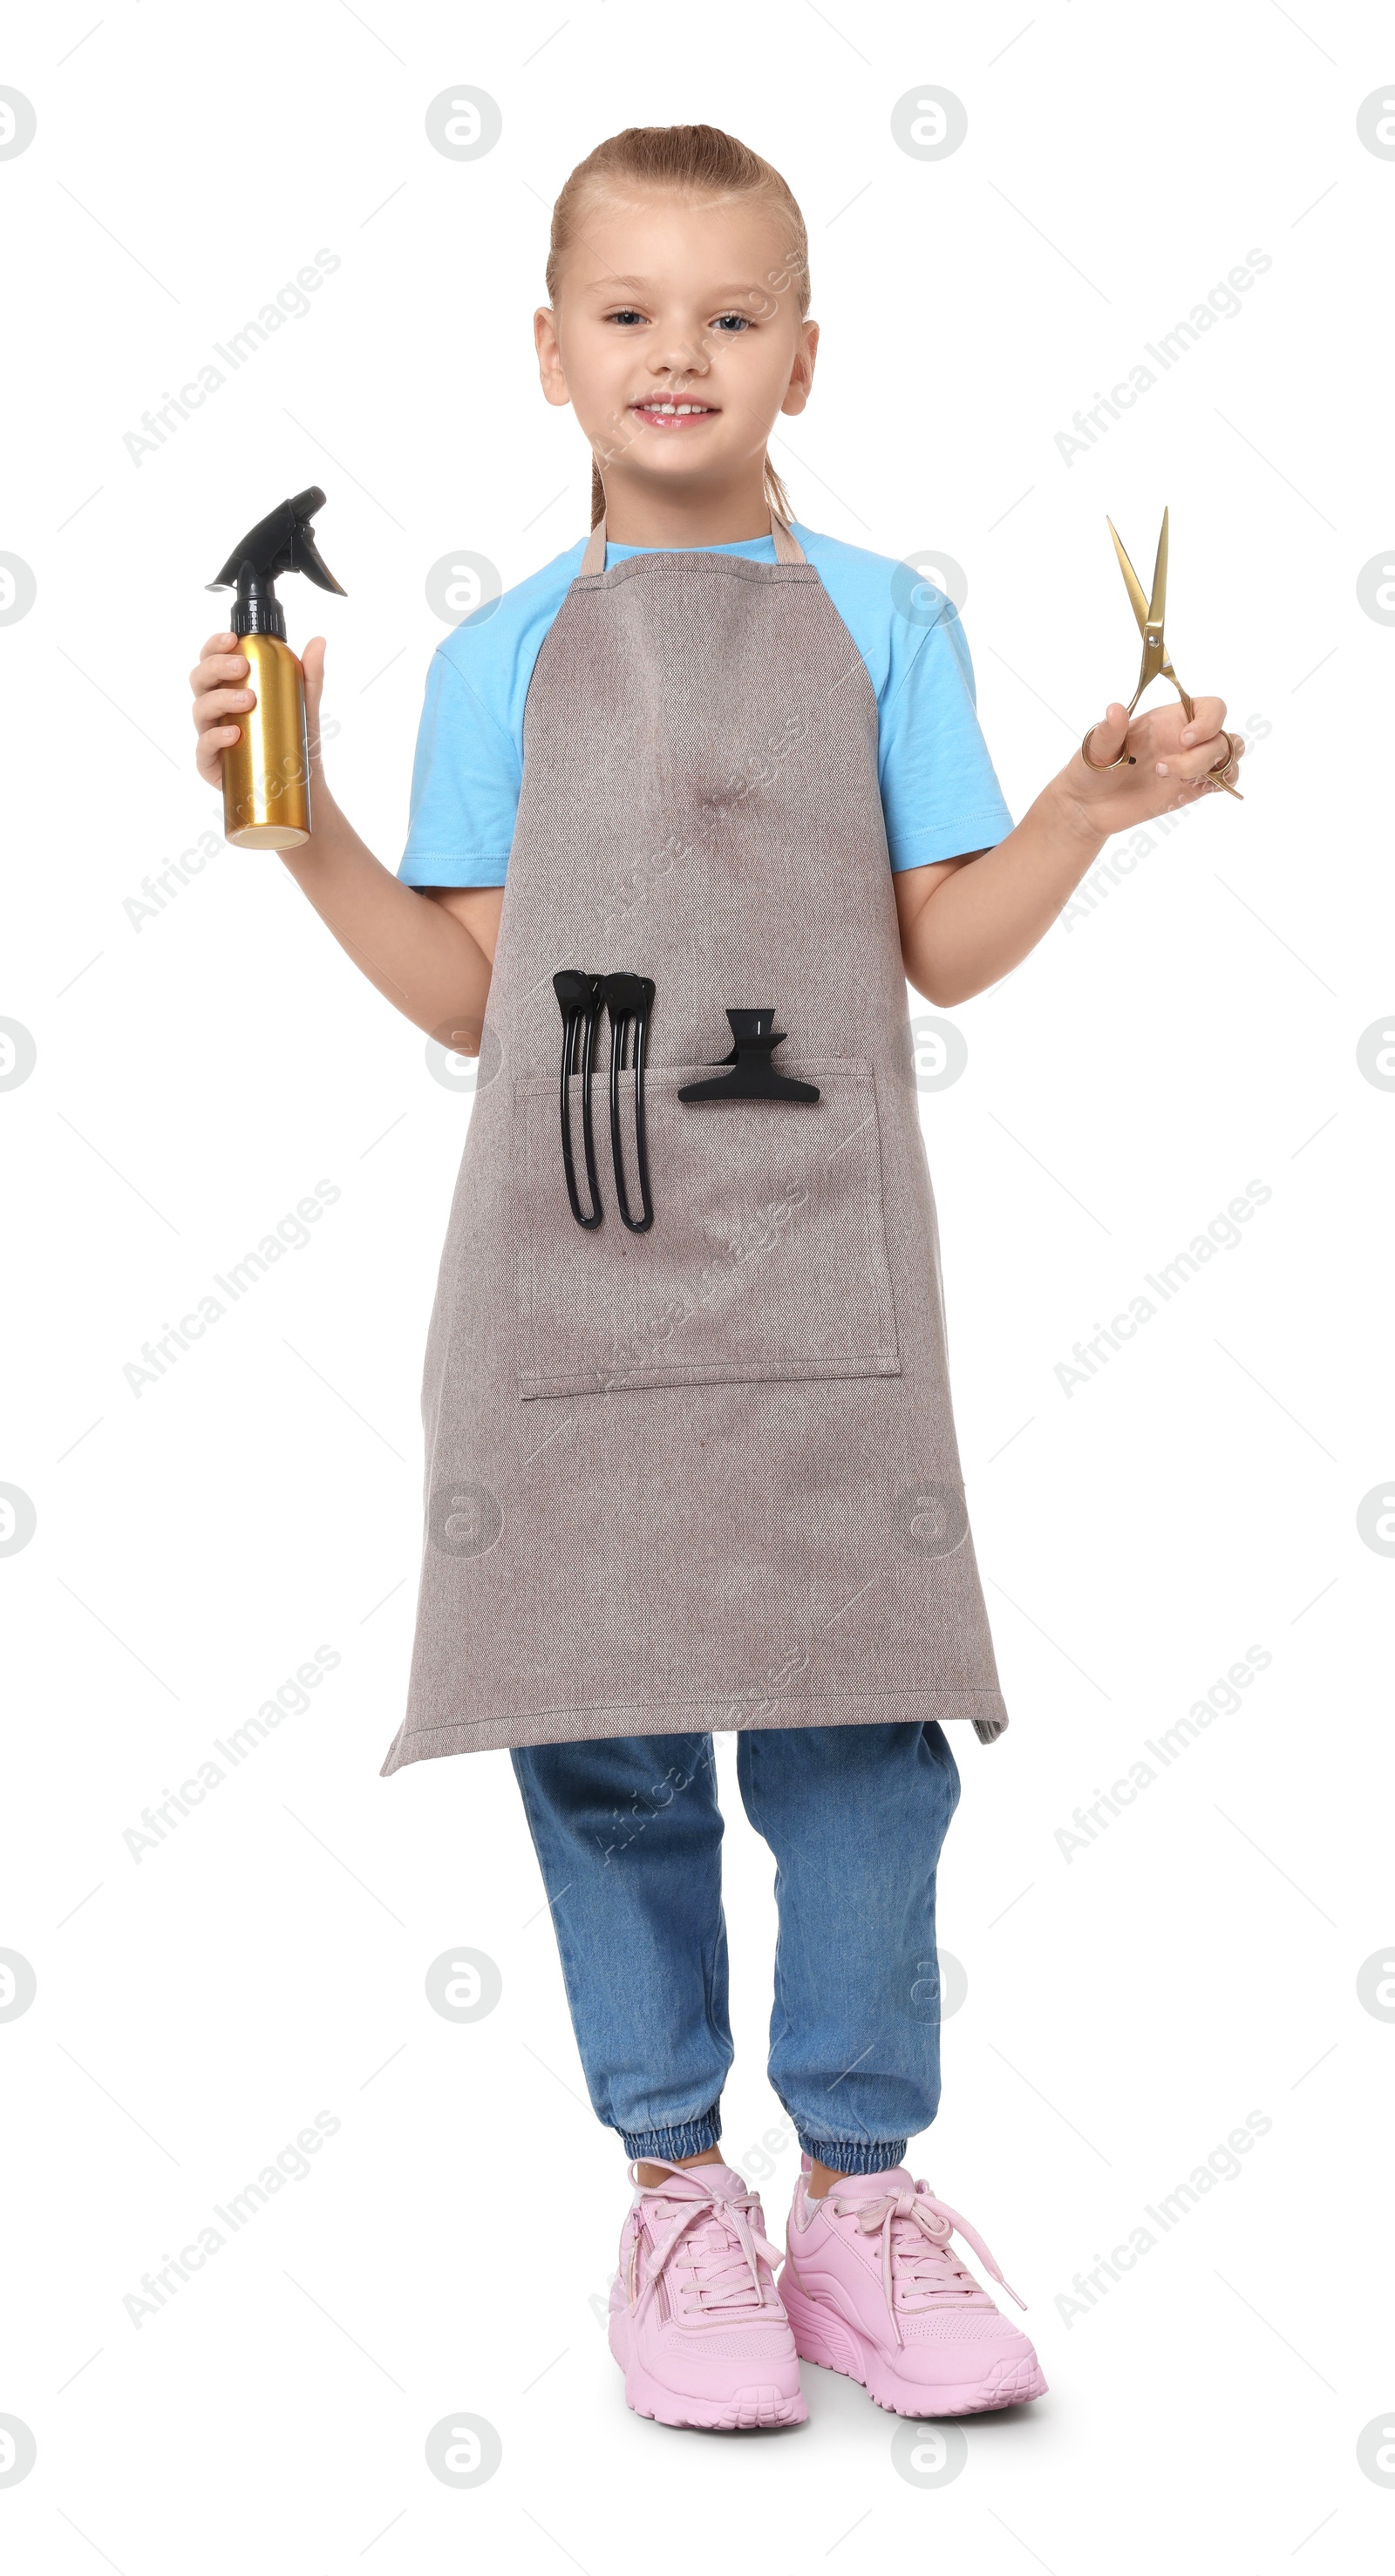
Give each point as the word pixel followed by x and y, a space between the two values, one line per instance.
pixel 833 2344
pixel 759 2406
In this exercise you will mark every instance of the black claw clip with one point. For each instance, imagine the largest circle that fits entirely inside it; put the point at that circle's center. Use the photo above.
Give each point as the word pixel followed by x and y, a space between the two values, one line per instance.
pixel 753 1076
pixel 629 1000
pixel 579 998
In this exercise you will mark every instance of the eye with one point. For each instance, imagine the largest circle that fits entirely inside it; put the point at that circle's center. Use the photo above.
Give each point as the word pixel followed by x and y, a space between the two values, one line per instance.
pixel 732 322
pixel 627 313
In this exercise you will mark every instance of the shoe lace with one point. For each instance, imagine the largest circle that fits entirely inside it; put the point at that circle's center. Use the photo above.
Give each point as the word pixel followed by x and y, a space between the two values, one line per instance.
pixel 918 2265
pixel 713 2250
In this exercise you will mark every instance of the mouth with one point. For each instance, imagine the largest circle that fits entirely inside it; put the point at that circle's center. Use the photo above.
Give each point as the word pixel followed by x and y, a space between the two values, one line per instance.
pixel 657 411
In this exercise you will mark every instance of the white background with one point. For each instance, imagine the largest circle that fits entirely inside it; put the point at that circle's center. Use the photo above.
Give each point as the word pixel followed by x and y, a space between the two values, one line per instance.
pixel 197 1074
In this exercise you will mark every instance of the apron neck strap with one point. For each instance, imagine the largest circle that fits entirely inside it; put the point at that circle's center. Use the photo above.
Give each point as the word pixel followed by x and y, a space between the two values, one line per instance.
pixel 788 549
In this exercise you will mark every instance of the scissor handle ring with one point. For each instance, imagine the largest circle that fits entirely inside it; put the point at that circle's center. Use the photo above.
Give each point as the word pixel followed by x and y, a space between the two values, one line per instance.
pixel 1219 772
pixel 1125 756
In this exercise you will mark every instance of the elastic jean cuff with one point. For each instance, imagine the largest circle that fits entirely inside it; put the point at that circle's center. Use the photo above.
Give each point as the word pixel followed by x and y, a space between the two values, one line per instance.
pixel 669 2146
pixel 855 2155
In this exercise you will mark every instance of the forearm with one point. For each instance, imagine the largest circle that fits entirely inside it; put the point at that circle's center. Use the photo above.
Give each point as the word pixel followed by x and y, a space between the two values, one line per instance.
pixel 418 954
pixel 965 923
pixel 978 921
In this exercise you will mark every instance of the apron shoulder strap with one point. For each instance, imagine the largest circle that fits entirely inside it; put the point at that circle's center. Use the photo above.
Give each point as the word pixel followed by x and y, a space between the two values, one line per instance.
pixel 788 549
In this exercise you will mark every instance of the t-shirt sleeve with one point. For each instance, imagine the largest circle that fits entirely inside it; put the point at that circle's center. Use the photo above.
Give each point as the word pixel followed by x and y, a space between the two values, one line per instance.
pixel 465 784
pixel 940 792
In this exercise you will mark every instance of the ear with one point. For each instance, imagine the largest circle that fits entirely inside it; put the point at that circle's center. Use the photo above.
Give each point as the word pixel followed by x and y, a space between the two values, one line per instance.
pixel 802 371
pixel 550 370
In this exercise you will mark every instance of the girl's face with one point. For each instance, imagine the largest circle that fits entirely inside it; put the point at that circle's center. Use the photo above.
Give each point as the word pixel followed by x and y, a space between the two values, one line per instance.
pixel 677 339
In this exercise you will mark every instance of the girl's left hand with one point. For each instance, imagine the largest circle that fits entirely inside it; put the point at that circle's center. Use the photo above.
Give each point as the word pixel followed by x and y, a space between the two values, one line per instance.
pixel 1171 760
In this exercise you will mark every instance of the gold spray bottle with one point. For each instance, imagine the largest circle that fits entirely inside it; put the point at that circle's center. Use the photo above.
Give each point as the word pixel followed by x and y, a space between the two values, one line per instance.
pixel 266 776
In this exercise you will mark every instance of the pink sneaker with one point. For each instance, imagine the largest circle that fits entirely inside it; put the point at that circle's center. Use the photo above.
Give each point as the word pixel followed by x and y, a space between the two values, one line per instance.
pixel 872 2290
pixel 696 2322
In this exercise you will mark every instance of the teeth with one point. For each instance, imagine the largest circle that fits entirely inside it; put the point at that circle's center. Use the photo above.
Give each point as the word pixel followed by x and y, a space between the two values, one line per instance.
pixel 674 411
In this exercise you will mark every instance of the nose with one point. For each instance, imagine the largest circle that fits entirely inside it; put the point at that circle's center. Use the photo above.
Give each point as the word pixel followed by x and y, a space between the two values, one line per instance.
pixel 685 359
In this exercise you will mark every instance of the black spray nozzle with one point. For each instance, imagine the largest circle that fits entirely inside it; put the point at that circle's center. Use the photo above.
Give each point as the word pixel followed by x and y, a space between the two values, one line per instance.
pixel 284 541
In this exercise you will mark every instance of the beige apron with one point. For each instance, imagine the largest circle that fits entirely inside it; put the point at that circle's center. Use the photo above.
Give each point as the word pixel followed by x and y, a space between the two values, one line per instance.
pixel 703 1476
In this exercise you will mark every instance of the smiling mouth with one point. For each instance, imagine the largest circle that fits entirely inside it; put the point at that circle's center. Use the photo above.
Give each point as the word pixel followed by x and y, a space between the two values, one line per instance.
pixel 670 416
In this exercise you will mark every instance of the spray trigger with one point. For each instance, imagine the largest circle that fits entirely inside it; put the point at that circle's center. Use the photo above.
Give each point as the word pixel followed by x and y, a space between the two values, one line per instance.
pixel 284 541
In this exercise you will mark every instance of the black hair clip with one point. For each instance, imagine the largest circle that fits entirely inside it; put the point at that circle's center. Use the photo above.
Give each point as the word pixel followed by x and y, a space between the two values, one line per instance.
pixel 579 998
pixel 753 1076
pixel 629 999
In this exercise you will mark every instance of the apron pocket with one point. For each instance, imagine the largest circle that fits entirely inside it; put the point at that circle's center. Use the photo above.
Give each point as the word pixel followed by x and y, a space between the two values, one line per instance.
pixel 766 1258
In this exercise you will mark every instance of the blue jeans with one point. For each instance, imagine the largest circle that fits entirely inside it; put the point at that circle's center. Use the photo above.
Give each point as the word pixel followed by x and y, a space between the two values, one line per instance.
pixel 628 1835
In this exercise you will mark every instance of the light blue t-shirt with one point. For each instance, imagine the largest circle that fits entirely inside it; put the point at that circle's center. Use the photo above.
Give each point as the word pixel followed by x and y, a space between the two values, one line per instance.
pixel 939 792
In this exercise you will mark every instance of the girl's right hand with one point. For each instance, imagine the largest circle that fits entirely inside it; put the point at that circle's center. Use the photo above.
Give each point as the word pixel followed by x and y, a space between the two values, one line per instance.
pixel 221 697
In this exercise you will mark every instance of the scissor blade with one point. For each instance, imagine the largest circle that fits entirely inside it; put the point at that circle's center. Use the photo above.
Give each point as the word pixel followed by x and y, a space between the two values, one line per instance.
pixel 1132 584
pixel 1158 604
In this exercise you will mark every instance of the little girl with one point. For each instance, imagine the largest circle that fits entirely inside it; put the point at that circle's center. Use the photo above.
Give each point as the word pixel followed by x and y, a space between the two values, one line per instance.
pixel 691 806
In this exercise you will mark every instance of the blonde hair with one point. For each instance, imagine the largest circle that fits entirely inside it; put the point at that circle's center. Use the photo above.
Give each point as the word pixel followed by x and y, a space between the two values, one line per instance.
pixel 701 161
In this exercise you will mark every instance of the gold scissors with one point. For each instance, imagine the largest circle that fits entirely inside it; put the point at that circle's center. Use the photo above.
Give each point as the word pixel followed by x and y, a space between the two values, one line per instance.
pixel 1157 662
